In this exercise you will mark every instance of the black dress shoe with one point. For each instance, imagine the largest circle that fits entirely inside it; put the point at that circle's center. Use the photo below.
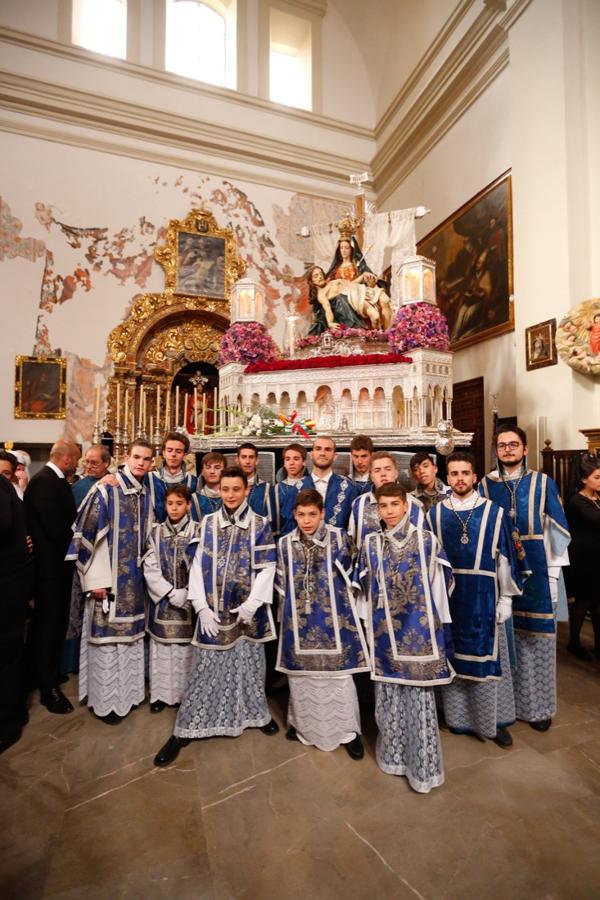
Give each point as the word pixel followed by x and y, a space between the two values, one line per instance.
pixel 111 719
pixel 355 749
pixel 157 706
pixel 270 728
pixel 291 734
pixel 170 751
pixel 580 652
pixel 10 739
pixel 542 725
pixel 56 702
pixel 503 738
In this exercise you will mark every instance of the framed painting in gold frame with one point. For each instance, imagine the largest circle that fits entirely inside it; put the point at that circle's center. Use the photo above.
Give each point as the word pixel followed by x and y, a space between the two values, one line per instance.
pixel 540 345
pixel 472 250
pixel 40 387
pixel 199 258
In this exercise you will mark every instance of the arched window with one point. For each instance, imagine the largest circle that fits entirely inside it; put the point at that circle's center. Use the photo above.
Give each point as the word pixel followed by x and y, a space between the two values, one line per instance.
pixel 101 25
pixel 200 40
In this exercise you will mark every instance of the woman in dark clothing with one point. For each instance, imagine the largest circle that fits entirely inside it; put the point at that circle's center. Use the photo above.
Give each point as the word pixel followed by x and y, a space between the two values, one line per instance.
pixel 583 581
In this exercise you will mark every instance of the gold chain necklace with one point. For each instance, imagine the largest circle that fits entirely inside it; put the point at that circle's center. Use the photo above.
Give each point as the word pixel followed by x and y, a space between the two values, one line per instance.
pixel 513 493
pixel 464 523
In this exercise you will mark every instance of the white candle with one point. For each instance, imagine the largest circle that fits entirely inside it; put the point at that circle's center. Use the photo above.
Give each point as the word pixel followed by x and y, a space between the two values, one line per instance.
pixel 140 413
pixel 97 405
pixel 176 406
pixel 144 411
pixel 157 406
pixel 215 407
pixel 118 403
pixel 168 411
pixel 126 410
pixel 151 426
pixel 195 410
pixel 204 405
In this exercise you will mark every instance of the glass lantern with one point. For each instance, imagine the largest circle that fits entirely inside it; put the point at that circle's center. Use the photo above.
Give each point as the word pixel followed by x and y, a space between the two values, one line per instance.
pixel 417 280
pixel 247 301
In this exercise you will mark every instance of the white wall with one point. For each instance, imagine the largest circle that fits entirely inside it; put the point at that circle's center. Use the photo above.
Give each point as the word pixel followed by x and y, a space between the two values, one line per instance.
pixel 469 157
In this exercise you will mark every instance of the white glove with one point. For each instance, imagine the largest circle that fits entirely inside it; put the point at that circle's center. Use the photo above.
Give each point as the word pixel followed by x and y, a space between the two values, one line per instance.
pixel 553 583
pixel 246 610
pixel 503 610
pixel 105 605
pixel 179 598
pixel 209 622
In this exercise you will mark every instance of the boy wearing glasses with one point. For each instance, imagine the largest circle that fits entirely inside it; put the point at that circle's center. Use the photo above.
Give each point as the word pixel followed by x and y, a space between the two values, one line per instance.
pixel 540 531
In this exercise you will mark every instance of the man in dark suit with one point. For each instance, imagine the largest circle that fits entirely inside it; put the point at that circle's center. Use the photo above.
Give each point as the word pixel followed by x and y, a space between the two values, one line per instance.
pixel 16 578
pixel 51 511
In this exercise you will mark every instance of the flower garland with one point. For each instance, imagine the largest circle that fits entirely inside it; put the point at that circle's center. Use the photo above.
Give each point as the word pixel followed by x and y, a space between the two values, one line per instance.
pixel 342 334
pixel 419 325
pixel 247 342
pixel 326 362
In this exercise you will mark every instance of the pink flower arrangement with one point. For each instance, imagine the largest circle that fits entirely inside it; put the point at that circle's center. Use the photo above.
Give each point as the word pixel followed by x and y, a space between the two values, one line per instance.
pixel 419 325
pixel 343 333
pixel 247 342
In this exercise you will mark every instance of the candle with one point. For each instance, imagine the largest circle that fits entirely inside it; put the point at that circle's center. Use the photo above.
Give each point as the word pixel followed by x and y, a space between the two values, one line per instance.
pixel 97 405
pixel 126 411
pixel 157 407
pixel 215 405
pixel 204 405
pixel 176 406
pixel 168 411
pixel 118 403
pixel 140 413
pixel 151 425
pixel 195 410
pixel 145 411
pixel 186 398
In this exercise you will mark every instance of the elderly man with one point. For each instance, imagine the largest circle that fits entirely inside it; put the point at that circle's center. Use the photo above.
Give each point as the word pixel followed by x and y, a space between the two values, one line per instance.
pixel 50 511
pixel 95 467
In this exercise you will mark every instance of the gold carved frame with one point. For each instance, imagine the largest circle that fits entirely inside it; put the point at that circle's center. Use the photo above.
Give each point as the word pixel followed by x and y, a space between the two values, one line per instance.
pixel 165 331
pixel 40 387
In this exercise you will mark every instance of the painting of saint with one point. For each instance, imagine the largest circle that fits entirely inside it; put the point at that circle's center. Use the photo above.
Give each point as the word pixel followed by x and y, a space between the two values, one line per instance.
pixel 40 388
pixel 472 250
pixel 200 265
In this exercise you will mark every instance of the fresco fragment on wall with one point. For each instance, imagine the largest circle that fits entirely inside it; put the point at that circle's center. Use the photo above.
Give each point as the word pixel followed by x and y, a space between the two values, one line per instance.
pixel 12 245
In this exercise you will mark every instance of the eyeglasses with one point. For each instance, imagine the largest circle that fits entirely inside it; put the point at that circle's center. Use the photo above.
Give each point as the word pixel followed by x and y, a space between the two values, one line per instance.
pixel 511 445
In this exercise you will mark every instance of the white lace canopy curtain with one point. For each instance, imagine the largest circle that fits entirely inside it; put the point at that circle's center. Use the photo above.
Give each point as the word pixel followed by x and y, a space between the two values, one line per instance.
pixel 324 241
pixel 394 230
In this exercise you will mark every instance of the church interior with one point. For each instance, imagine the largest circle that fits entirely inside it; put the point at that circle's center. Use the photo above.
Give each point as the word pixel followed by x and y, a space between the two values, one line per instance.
pixel 130 126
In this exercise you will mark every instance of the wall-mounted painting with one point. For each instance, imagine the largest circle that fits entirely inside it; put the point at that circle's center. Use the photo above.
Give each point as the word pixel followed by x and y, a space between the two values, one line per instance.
pixel 200 265
pixel 472 250
pixel 578 337
pixel 540 346
pixel 40 387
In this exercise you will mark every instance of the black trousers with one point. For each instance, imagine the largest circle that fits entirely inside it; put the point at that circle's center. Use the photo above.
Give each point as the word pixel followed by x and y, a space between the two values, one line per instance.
pixel 15 592
pixel 52 597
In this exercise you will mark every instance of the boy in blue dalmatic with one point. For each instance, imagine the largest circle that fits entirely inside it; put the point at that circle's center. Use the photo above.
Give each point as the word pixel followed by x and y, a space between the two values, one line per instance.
pixel 174 447
pixel 477 541
pixel 537 521
pixel 337 491
pixel 321 641
pixel 231 589
pixel 405 578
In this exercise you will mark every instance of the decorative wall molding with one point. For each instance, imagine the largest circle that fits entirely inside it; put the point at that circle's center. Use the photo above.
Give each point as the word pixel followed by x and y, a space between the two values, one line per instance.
pixel 83 109
pixel 169 79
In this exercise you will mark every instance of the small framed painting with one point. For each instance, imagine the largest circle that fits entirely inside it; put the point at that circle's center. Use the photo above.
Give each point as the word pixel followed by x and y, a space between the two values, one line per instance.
pixel 40 387
pixel 540 345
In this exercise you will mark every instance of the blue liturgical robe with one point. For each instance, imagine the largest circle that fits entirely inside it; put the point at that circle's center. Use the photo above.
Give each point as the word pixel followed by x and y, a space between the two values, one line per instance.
pixel 203 504
pixel 539 512
pixel 320 629
pixel 169 553
pixel 405 577
pixel 229 559
pixel 338 498
pixel 110 533
pixel 476 586
pixel 362 487
pixel 157 486
pixel 364 516
pixel 284 498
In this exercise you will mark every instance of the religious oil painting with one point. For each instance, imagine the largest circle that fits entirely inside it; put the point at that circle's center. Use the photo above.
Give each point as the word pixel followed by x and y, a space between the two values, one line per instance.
pixel 540 345
pixel 40 387
pixel 472 250
pixel 200 265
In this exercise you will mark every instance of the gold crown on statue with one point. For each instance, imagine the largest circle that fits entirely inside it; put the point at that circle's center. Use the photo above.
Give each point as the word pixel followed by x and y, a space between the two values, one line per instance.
pixel 347 228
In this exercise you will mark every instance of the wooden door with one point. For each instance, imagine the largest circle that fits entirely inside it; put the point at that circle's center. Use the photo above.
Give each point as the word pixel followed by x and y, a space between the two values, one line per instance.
pixel 468 415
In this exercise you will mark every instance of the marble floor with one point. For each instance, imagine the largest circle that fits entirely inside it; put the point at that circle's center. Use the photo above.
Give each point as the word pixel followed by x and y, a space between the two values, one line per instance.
pixel 85 813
